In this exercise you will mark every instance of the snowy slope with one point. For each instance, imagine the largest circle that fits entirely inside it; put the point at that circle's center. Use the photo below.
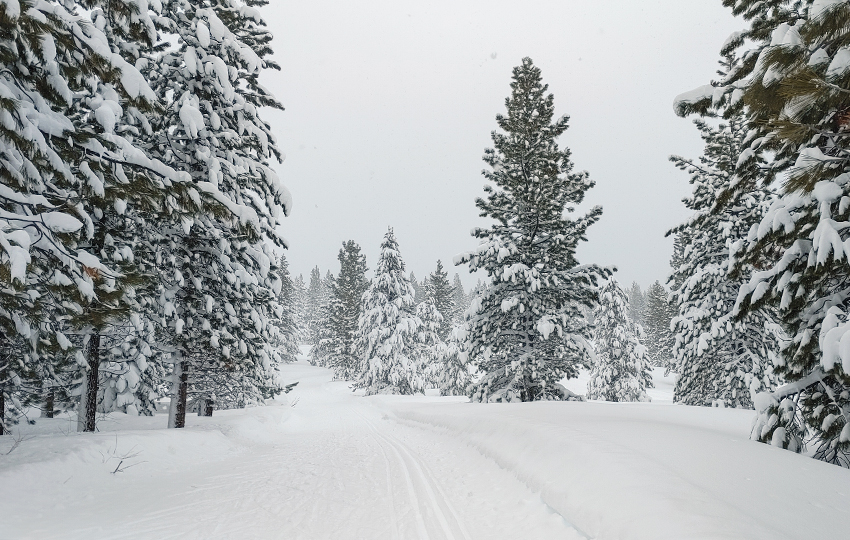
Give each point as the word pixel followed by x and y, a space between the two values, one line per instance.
pixel 340 466
pixel 655 472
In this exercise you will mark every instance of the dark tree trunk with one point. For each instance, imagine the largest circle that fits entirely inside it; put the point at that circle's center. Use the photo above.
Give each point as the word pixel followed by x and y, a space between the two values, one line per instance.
pixel 92 381
pixel 182 391
pixel 48 403
pixel 2 406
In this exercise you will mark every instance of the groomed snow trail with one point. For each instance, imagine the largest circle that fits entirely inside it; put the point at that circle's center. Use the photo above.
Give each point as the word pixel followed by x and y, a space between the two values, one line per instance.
pixel 333 466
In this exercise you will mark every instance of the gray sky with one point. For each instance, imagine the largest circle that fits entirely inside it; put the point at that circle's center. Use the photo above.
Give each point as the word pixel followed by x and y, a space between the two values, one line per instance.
pixel 390 105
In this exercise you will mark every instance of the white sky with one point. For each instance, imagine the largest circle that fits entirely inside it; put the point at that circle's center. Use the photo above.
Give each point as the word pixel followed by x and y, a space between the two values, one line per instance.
pixel 390 105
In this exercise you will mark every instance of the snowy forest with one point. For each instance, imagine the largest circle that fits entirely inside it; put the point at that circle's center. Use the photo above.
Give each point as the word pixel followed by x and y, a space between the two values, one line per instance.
pixel 145 267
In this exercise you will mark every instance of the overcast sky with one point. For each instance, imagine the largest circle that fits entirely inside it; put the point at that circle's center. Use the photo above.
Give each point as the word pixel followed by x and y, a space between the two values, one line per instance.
pixel 390 105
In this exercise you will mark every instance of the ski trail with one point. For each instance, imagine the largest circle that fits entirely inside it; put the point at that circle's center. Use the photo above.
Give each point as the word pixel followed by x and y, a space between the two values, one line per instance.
pixel 422 485
pixel 390 491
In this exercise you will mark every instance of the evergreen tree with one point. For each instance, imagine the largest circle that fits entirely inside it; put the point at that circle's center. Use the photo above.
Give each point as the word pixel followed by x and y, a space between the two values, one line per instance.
pixel 793 82
pixel 460 298
pixel 450 369
pixel 720 361
pixel 218 277
pixel 386 331
pixel 419 289
pixel 317 299
pixel 637 305
pixel 440 293
pixel 322 333
pixel 657 318
pixel 620 372
pixel 427 345
pixel 300 289
pixel 343 313
pixel 73 179
pixel 287 317
pixel 527 330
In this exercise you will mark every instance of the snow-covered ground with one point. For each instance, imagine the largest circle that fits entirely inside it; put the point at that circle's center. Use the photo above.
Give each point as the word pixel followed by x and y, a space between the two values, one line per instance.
pixel 325 464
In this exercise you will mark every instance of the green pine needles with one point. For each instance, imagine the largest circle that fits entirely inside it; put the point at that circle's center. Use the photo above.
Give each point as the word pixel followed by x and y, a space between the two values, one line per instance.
pixel 528 328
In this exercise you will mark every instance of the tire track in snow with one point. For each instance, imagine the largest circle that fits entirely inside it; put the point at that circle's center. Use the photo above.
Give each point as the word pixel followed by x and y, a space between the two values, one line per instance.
pixel 422 485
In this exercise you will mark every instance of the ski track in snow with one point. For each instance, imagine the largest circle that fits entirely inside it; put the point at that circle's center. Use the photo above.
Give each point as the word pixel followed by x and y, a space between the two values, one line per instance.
pixel 422 485
pixel 334 466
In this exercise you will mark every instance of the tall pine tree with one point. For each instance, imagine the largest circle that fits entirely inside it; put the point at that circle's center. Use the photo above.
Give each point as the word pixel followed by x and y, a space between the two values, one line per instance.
pixel 637 304
pixel 343 312
pixel 387 328
pixel 217 269
pixel 528 329
pixel 657 319
pixel 794 82
pixel 441 294
pixel 720 361
pixel 620 372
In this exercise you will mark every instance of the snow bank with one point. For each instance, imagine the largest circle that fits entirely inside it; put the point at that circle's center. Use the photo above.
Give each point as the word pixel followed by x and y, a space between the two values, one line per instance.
pixel 646 471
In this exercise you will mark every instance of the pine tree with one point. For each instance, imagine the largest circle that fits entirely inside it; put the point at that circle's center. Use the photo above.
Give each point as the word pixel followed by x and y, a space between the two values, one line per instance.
pixel 317 299
pixel 637 305
pixel 720 361
pixel 620 372
pixel 657 318
pixel 287 317
pixel 450 369
pixel 419 289
pixel 386 331
pixel 300 290
pixel 461 300
pixel 793 82
pixel 322 333
pixel 527 330
pixel 74 178
pixel 440 293
pixel 427 345
pixel 343 313
pixel 219 281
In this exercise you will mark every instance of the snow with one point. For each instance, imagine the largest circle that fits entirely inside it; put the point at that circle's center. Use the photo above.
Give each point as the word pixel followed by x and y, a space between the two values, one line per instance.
pixel 12 8
pixel 840 63
pixel 694 96
pixel 819 7
pixel 325 463
pixel 203 34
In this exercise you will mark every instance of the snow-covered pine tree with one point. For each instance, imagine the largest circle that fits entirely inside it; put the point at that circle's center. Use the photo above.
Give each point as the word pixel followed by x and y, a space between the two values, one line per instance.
pixel 657 319
pixel 460 298
pixel 386 330
pixel 316 300
pixel 450 370
pixel 287 320
pixel 120 376
pixel 343 313
pixel 621 371
pixel 300 289
pixel 637 304
pixel 67 167
pixel 322 333
pixel 441 294
pixel 720 360
pixel 794 81
pixel 427 344
pixel 419 289
pixel 527 329
pixel 218 274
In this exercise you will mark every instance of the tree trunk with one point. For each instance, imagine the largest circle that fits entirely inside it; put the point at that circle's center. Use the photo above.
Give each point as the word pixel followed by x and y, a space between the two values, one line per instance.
pixel 177 410
pixel 48 403
pixel 92 382
pixel 2 405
